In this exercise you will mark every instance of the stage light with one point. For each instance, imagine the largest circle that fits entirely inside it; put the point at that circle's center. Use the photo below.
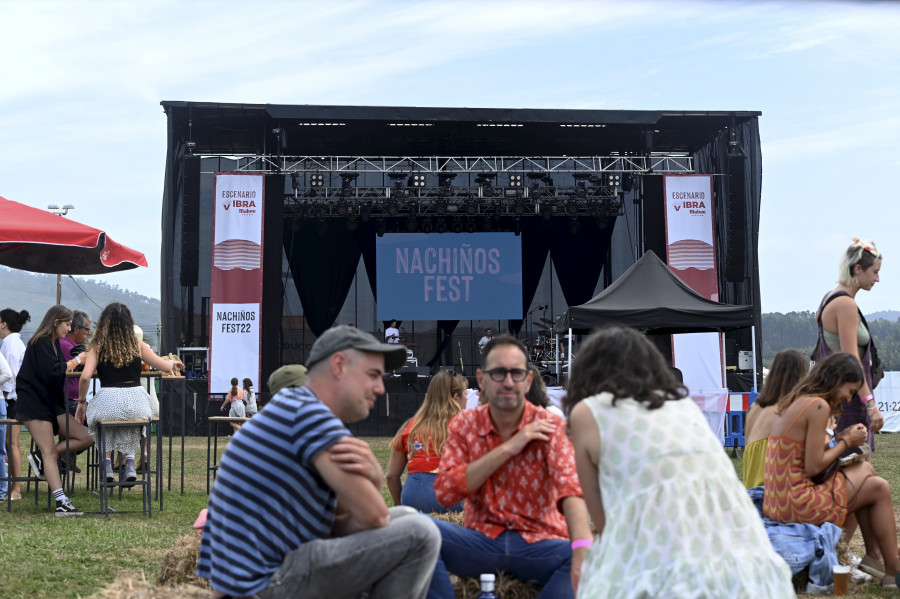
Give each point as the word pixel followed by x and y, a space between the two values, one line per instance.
pixel 427 227
pixel 574 226
pixel 411 223
pixel 445 182
pixel 485 182
pixel 365 212
pixel 515 180
pixel 488 224
pixel 457 226
pixel 628 182
pixel 441 226
pixel 379 227
pixel 342 208
pixel 393 208
pixel 316 180
pixel 602 222
pixel 581 190
pixel 295 182
pixel 572 207
pixel 471 208
pixel 416 181
pixel 517 229
pixel 470 226
pixel 441 208
pixel 613 179
pixel 352 224
pixel 519 208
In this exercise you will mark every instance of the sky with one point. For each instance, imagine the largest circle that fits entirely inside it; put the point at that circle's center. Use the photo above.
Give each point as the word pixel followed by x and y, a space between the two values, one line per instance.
pixel 81 121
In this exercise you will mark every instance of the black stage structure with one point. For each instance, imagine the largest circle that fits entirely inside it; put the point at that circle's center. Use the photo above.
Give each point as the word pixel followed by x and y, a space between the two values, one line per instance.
pixel 583 188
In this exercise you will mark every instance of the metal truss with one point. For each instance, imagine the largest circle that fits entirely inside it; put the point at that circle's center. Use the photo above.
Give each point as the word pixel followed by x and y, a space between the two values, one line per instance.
pixel 654 164
pixel 462 204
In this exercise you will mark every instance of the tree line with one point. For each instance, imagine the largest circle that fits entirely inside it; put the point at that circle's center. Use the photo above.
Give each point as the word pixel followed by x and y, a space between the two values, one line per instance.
pixel 799 331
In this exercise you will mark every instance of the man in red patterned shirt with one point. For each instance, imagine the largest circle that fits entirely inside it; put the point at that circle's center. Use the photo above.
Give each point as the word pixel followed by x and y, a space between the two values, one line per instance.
pixel 514 465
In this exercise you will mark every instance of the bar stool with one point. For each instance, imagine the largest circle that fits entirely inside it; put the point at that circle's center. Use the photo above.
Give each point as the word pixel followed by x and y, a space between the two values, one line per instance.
pixel 212 444
pixel 145 478
pixel 30 478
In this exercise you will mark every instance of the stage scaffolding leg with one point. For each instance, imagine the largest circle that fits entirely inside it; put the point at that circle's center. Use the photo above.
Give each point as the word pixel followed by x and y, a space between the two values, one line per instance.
pixel 753 350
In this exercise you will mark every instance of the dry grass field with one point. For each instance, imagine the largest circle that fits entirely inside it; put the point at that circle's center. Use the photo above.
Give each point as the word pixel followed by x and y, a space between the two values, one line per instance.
pixel 121 556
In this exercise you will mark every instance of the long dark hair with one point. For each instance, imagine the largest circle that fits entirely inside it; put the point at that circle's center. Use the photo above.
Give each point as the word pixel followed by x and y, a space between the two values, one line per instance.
pixel 621 361
pixel 14 320
pixel 788 367
pixel 54 315
pixel 234 386
pixel 824 380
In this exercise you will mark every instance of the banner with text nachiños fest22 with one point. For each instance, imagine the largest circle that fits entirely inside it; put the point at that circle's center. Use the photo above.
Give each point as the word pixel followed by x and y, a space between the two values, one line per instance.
pixel 236 286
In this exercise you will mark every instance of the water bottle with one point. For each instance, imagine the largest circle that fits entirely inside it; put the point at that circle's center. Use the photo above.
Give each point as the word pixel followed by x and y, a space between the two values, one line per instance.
pixel 487 587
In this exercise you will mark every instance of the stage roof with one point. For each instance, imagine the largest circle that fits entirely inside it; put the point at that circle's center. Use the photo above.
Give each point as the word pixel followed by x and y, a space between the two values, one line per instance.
pixel 223 128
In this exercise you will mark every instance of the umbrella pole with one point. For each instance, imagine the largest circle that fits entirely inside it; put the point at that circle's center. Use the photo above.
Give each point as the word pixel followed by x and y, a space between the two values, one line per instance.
pixel 58 289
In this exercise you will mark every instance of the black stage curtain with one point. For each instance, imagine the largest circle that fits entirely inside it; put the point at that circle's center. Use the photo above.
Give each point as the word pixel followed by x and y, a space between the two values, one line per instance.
pixel 323 257
pixel 445 329
pixel 535 245
pixel 579 257
pixel 367 246
pixel 272 302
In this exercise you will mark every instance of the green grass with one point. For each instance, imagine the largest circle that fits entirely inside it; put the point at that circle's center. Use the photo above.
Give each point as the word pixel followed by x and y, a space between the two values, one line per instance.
pixel 42 556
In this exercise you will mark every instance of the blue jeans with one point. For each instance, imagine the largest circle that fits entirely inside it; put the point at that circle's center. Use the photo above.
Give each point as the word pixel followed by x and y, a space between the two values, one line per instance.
pixel 4 486
pixel 418 492
pixel 467 552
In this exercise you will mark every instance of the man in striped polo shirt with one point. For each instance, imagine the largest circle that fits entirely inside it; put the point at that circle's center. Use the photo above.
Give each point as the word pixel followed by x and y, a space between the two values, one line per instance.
pixel 297 510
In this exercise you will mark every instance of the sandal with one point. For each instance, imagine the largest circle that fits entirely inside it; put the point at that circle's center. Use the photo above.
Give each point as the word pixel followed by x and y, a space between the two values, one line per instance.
pixel 872 567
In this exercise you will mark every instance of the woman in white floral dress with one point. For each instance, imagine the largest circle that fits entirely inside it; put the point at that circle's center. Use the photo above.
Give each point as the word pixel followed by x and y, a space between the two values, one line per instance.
pixel 673 518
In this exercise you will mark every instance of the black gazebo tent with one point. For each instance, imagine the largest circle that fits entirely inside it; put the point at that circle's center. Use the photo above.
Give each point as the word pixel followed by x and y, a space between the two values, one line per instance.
pixel 650 297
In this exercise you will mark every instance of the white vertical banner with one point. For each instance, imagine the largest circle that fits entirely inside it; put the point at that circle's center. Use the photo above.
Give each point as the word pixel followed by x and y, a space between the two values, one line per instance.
pixel 691 254
pixel 236 289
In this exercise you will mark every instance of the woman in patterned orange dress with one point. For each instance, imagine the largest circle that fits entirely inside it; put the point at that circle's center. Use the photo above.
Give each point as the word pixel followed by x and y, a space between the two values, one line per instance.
pixel 796 452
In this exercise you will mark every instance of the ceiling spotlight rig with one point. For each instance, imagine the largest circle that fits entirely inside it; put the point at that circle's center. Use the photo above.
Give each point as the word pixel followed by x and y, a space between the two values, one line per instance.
pixel 496 191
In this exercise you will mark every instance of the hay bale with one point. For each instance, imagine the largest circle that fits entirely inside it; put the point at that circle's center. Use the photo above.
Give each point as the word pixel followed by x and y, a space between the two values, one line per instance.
pixel 131 588
pixel 179 566
pixel 505 586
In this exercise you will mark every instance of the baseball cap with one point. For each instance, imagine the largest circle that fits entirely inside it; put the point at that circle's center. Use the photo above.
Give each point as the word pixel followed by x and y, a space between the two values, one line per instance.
pixel 344 337
pixel 289 375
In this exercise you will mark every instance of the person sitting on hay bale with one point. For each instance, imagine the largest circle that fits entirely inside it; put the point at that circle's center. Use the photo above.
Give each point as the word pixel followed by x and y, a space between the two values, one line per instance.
pixel 514 465
pixel 312 521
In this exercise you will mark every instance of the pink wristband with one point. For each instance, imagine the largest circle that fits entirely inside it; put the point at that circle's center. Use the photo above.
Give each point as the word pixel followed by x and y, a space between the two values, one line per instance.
pixel 582 543
pixel 867 398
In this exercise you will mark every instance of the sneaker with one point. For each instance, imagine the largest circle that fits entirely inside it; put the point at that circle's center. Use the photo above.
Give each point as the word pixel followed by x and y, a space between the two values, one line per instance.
pixel 73 464
pixel 37 464
pixel 107 471
pixel 65 508
pixel 129 474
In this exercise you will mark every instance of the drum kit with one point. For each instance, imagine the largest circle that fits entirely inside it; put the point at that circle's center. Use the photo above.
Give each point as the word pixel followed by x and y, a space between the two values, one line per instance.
pixel 543 349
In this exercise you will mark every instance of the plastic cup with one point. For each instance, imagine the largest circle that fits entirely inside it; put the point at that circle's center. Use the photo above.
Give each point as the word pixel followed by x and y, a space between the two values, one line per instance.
pixel 841 576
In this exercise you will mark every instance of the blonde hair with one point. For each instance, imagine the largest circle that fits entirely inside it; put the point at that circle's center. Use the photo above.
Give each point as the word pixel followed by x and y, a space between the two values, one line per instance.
pixel 430 422
pixel 115 339
pixel 862 252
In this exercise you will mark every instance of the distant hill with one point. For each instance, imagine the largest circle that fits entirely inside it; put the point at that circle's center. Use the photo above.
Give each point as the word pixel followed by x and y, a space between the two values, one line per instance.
pixel 890 315
pixel 37 292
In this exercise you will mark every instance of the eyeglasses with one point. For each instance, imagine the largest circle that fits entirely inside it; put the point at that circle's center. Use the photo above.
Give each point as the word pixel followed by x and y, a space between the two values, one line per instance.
pixel 498 375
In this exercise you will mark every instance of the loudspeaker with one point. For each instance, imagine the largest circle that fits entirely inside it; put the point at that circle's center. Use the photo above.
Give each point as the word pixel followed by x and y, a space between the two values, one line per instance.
pixel 736 232
pixel 190 220
pixel 408 375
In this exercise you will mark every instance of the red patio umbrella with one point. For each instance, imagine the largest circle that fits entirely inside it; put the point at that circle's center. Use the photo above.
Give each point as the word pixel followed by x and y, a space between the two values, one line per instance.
pixel 39 241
